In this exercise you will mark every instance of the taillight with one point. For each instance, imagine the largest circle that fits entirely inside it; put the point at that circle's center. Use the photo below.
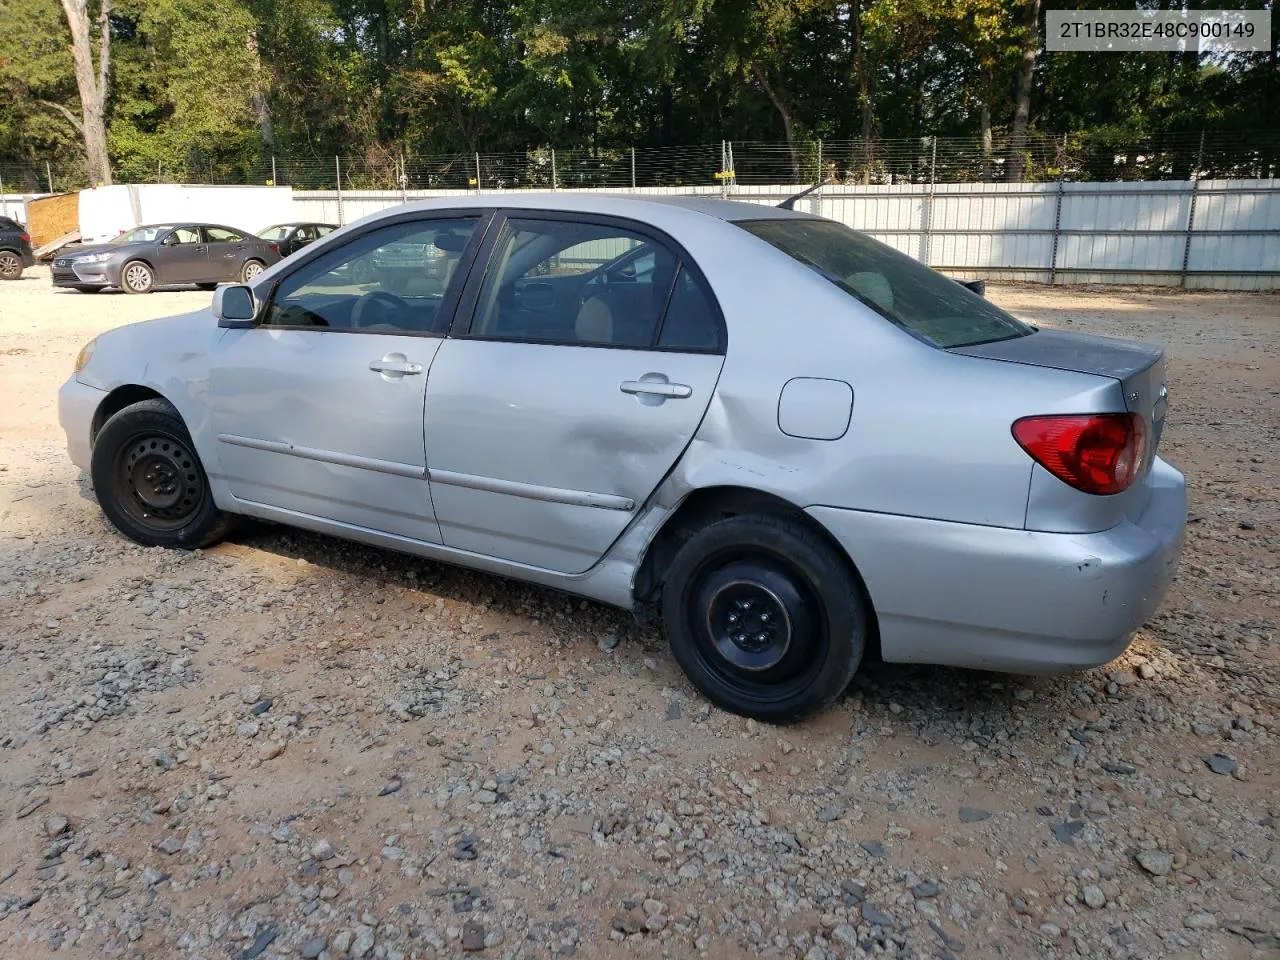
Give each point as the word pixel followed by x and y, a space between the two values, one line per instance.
pixel 275 247
pixel 1095 452
pixel 26 238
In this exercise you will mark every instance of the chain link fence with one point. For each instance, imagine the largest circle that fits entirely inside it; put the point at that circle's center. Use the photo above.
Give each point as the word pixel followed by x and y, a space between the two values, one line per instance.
pixel 1042 157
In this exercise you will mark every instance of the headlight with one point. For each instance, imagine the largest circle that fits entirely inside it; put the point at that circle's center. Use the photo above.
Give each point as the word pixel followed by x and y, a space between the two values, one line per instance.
pixel 94 258
pixel 85 353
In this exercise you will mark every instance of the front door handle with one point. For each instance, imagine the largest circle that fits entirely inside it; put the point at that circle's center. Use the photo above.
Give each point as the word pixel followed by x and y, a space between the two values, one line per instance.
pixel 657 388
pixel 395 365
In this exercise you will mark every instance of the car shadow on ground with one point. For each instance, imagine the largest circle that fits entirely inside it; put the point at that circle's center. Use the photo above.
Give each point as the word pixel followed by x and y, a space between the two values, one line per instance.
pixel 950 694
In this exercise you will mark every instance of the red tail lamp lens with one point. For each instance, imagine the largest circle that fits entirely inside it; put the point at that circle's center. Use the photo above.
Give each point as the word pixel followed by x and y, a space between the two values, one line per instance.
pixel 1098 453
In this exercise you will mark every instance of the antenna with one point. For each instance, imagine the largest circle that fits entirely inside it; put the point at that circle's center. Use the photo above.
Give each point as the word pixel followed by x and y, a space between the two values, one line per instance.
pixel 790 202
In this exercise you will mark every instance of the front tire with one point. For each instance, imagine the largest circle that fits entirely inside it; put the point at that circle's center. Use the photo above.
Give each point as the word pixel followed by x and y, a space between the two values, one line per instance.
pixel 137 277
pixel 149 481
pixel 765 617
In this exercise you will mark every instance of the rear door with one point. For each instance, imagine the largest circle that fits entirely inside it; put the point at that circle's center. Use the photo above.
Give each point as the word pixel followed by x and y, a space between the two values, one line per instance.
pixel 561 400
pixel 226 252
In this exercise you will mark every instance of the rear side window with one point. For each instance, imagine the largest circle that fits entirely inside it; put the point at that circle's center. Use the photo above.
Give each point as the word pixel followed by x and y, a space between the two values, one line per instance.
pixel 904 291
pixel 690 323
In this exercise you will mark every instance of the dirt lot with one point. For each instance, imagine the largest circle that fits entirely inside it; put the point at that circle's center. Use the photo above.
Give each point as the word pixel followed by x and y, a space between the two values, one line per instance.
pixel 290 746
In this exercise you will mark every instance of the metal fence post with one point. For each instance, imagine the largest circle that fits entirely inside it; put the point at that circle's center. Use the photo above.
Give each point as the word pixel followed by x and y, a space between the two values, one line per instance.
pixel 275 182
pixel 477 171
pixel 815 204
pixel 927 208
pixel 1057 231
pixel 48 172
pixel 1191 212
pixel 337 169
pixel 633 168
pixel 724 189
pixel 553 168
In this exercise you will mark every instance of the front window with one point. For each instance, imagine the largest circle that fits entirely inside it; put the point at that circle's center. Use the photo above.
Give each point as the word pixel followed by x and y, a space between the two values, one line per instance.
pixel 391 280
pixel 142 234
pixel 902 290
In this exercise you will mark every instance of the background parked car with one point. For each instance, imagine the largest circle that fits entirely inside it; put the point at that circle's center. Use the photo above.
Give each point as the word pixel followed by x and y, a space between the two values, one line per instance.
pixel 292 237
pixel 141 259
pixel 15 249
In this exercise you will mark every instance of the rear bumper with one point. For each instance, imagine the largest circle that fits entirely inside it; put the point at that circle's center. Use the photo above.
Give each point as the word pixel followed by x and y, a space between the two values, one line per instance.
pixel 77 405
pixel 1015 601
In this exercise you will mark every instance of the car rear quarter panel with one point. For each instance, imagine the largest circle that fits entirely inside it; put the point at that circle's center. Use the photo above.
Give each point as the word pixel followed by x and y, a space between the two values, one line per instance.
pixel 930 431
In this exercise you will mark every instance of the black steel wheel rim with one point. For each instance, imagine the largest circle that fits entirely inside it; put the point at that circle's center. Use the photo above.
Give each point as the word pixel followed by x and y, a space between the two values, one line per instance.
pixel 758 624
pixel 160 481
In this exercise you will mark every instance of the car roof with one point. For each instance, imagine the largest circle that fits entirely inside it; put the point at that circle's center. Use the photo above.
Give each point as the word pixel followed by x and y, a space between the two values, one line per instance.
pixel 620 204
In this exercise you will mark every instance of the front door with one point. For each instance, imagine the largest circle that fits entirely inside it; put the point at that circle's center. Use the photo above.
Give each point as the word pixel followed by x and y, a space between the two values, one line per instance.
pixel 318 410
pixel 582 364
pixel 184 257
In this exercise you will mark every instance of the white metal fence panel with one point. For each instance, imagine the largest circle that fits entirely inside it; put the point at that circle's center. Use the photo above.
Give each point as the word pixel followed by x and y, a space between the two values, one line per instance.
pixel 1211 234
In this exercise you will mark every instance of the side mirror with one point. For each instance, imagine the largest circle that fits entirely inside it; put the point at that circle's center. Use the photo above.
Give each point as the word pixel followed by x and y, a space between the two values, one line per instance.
pixel 977 286
pixel 233 306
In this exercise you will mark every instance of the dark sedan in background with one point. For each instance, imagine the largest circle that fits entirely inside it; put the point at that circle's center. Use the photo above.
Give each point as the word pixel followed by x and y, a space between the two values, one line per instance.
pixel 292 237
pixel 141 259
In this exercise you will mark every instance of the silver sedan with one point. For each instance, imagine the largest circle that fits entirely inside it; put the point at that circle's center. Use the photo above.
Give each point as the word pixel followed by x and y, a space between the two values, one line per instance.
pixel 789 443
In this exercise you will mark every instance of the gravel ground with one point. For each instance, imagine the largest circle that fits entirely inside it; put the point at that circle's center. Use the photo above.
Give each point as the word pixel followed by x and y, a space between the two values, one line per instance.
pixel 290 746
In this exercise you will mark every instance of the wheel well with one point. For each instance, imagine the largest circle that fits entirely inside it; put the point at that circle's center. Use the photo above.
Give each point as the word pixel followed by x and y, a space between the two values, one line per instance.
pixel 706 506
pixel 117 400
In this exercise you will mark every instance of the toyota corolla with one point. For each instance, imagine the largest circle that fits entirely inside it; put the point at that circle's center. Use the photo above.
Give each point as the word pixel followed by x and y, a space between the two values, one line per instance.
pixel 788 442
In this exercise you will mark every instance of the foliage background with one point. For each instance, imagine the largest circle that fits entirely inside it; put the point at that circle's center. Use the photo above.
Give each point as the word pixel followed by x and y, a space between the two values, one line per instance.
pixel 213 89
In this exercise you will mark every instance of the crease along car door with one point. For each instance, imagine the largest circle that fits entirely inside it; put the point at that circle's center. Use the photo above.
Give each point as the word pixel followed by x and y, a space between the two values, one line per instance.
pixel 555 411
pixel 318 411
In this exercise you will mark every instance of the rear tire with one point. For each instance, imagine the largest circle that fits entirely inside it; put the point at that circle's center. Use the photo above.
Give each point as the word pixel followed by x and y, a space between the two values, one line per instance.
pixel 150 483
pixel 10 265
pixel 208 286
pixel 765 617
pixel 137 277
pixel 250 270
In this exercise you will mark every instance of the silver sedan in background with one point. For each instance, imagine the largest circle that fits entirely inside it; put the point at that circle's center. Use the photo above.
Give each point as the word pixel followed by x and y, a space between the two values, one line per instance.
pixel 790 443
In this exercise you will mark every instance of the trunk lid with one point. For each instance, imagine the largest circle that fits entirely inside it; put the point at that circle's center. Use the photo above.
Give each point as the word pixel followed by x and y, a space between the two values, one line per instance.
pixel 1137 365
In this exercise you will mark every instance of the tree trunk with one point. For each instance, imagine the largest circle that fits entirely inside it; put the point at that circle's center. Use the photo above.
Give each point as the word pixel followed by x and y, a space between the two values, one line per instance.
pixel 1026 74
pixel 92 84
pixel 258 99
pixel 862 82
pixel 788 124
pixel 984 119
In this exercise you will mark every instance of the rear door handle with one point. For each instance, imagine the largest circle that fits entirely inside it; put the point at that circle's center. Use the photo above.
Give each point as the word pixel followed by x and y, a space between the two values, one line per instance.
pixel 657 388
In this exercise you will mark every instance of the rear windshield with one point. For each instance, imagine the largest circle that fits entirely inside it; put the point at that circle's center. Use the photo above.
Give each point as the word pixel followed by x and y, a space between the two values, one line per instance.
pixel 904 291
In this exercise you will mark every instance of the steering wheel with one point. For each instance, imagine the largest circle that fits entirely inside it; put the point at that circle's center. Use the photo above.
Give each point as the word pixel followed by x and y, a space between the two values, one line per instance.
pixel 386 302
